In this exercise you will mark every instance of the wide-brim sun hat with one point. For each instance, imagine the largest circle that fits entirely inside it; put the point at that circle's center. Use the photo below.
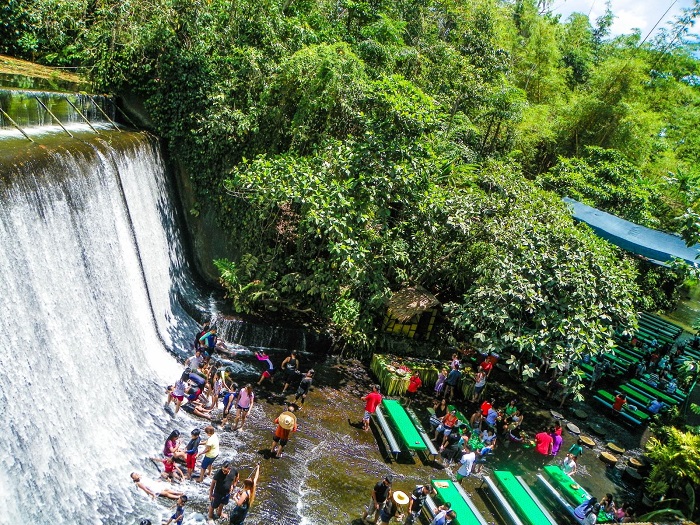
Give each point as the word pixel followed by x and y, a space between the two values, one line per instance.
pixel 287 420
pixel 400 497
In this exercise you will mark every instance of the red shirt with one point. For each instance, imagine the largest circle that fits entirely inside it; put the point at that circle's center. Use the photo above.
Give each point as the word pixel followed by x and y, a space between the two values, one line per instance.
pixel 619 403
pixel 543 443
pixel 283 433
pixel 450 420
pixel 373 399
pixel 486 366
pixel 485 406
pixel 414 384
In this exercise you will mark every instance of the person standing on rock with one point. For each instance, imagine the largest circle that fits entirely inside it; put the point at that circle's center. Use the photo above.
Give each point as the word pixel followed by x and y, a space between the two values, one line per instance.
pixel 304 386
pixel 380 493
pixel 286 424
pixel 246 398
pixel 211 452
pixel 290 367
pixel 372 401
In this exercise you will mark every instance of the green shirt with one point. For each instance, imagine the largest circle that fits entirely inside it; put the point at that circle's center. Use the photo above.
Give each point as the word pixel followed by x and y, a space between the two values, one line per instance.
pixel 576 449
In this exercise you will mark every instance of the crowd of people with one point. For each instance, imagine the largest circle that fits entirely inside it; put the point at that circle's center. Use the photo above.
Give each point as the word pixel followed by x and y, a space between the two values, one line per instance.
pixel 467 446
pixel 210 392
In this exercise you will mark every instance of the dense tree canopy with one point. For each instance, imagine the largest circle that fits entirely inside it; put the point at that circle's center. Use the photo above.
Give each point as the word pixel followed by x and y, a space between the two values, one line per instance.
pixel 353 147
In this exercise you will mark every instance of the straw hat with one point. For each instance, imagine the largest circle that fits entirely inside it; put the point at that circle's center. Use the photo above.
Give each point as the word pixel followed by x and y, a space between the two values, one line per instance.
pixel 400 497
pixel 287 420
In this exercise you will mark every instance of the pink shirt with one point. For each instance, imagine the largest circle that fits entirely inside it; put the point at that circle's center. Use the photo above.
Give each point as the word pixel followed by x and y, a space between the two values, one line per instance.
pixel 245 399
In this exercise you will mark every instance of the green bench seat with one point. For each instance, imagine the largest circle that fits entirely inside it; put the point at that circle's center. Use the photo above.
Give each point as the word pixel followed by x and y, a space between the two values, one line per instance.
pixel 666 398
pixel 467 513
pixel 528 507
pixel 571 490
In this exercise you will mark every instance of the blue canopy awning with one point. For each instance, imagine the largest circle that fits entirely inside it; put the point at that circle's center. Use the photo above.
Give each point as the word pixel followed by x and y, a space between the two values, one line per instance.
pixel 658 246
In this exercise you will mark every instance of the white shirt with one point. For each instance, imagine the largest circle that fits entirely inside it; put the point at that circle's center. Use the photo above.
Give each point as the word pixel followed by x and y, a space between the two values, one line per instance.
pixel 467 462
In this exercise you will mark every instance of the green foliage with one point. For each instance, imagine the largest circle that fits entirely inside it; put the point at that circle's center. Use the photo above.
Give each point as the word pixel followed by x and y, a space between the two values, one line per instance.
pixel 355 147
pixel 540 280
pixel 676 466
pixel 605 179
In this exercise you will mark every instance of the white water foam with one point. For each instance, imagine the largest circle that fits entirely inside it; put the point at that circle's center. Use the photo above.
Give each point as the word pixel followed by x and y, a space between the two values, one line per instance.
pixel 84 363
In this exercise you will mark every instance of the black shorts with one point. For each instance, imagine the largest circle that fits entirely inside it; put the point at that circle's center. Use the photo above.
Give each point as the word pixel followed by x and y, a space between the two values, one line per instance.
pixel 290 375
pixel 220 499
pixel 279 440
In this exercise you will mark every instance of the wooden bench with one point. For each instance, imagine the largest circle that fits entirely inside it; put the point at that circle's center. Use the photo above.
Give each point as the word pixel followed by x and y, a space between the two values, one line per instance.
pixel 388 434
pixel 503 502
pixel 529 508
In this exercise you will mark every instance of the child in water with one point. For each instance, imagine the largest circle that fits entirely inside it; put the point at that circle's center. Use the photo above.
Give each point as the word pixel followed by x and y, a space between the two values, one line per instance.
pixel 179 511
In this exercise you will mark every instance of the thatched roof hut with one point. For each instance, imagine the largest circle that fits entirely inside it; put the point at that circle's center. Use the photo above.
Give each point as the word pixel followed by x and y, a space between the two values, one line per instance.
pixel 408 302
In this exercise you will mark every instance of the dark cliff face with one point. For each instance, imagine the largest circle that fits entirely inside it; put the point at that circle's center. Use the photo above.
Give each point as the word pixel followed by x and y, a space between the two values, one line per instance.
pixel 204 235
pixel 207 239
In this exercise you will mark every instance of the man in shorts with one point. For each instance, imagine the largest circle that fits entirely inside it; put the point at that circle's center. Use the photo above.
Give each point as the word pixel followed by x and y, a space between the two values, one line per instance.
pixel 372 401
pixel 220 489
pixel 290 367
pixel 466 463
pixel 415 504
pixel 379 494
pixel 286 424
pixel 211 452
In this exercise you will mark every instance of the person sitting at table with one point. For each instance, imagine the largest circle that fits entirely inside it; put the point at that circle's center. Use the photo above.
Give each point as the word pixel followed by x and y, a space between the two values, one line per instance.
pixel 655 406
pixel 515 420
pixel 671 386
pixel 488 437
pixel 440 408
pixel 607 504
pixel 641 370
pixel 516 435
pixel 588 511
pixel 620 401
pixel 492 418
pixel 477 419
pixel 448 422
pixel 452 448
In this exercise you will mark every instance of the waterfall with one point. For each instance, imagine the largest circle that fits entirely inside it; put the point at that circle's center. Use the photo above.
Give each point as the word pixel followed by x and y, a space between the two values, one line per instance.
pixel 95 291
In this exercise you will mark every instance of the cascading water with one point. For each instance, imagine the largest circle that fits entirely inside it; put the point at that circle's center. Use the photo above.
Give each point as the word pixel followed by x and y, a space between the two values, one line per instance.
pixel 92 279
